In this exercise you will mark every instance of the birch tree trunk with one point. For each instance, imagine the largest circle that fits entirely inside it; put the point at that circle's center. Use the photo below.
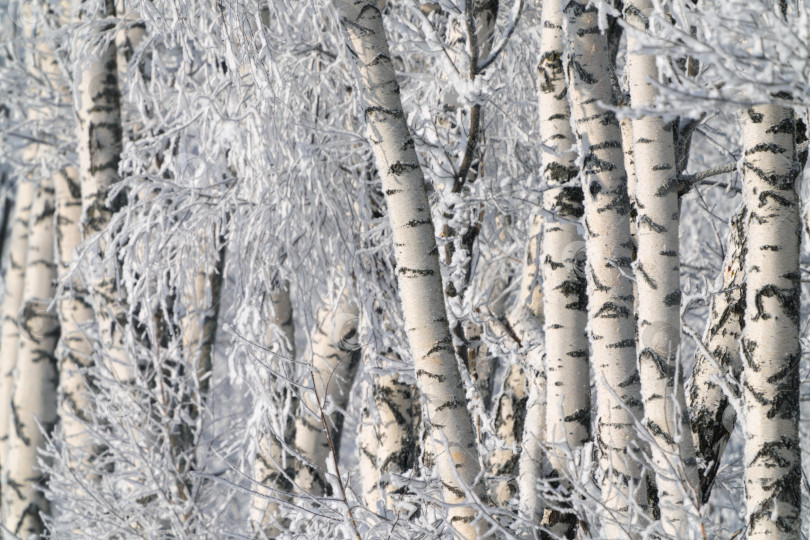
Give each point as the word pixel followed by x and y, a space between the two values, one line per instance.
pixel 99 148
pixel 33 401
pixel 711 414
pixel 770 344
pixel 335 357
pixel 75 319
pixel 530 461
pixel 527 319
pixel 657 270
pixel 270 467
pixel 608 250
pixel 509 423
pixel 418 271
pixel 510 405
pixel 15 280
pixel 394 434
pixel 563 265
pixel 367 445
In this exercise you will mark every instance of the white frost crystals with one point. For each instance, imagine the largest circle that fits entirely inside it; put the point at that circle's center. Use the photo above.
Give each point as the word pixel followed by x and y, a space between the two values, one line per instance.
pixel 363 269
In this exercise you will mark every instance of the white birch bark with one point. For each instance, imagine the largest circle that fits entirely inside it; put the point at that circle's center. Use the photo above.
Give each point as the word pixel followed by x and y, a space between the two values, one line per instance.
pixel 33 402
pixel 73 352
pixel 367 444
pixel 269 467
pixel 394 455
pixel 509 423
pixel 99 149
pixel 563 267
pixel 530 460
pixel 657 271
pixel 510 405
pixel 712 416
pixel 335 356
pixel 418 271
pixel 15 280
pixel 770 345
pixel 626 125
pixel 608 251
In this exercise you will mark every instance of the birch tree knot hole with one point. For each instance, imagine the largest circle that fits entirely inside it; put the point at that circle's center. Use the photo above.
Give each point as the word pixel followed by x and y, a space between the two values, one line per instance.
pixel 575 259
pixel 658 336
pixel 188 167
pixel 28 15
pixel 34 319
pixel 347 332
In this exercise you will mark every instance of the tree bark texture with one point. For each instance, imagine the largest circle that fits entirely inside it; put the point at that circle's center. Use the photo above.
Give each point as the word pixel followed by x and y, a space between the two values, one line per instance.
pixel 419 278
pixel 608 251
pixel 770 345
pixel 657 272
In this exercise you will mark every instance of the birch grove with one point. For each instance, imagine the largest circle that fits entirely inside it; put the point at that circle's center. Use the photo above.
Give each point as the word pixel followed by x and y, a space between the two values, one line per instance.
pixel 392 269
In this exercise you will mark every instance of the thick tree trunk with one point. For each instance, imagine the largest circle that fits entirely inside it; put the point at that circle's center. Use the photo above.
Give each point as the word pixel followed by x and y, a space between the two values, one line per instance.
pixel 563 262
pixel 608 250
pixel 33 402
pixel 770 342
pixel 15 280
pixel 711 413
pixel 657 273
pixel 420 285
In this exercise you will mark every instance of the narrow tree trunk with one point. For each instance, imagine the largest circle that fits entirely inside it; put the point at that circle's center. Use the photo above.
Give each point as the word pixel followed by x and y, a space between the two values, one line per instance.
pixel 657 271
pixel 420 284
pixel 531 458
pixel 608 249
pixel 395 437
pixel 335 356
pixel 770 343
pixel 565 301
pixel 270 465
pixel 711 413
pixel 9 340
pixel 528 320
pixel 33 401
pixel 198 330
pixel 509 423
pixel 510 405
pixel 99 148
pixel 75 316
pixel 367 445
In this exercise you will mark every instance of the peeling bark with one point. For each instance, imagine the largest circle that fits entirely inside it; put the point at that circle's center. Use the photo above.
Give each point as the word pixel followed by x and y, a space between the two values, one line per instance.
pixel 712 416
